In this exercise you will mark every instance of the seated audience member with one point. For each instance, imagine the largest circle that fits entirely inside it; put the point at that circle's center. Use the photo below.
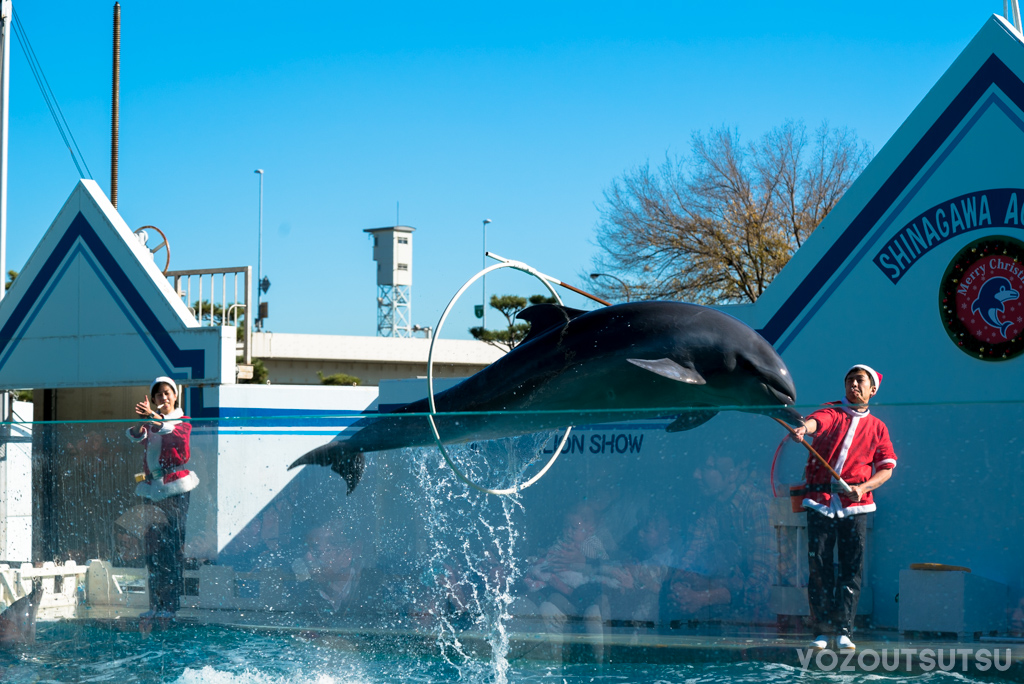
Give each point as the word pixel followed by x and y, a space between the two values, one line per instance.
pixel 337 583
pixel 567 581
pixel 725 573
pixel 643 581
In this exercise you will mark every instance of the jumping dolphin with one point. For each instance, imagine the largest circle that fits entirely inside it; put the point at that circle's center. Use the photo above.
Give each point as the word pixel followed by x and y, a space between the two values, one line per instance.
pixel 18 622
pixel 609 365
pixel 989 303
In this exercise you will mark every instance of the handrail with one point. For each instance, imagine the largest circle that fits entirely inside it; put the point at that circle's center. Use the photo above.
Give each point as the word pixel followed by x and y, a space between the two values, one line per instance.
pixel 229 305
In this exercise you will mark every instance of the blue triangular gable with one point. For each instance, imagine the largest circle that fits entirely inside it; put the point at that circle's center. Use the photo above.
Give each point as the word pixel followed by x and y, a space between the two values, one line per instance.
pixel 91 309
pixel 843 298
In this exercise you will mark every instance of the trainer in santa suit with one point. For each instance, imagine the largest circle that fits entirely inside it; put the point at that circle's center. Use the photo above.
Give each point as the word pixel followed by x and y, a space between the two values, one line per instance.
pixel 857 446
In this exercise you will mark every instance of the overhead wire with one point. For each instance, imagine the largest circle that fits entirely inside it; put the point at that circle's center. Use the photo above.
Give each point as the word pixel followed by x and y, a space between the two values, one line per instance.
pixel 50 98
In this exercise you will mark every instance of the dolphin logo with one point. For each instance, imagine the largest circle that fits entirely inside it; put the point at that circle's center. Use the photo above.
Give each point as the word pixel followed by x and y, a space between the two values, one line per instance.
pixel 989 303
pixel 685 361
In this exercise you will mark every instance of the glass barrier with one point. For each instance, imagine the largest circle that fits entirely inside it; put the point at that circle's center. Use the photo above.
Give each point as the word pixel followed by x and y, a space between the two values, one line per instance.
pixel 639 536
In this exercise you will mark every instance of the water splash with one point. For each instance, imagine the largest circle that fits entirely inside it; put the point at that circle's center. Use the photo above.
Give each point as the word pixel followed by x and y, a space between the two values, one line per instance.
pixel 470 565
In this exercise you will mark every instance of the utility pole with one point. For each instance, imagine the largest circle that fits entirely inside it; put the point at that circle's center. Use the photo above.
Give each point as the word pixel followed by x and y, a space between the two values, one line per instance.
pixel 115 104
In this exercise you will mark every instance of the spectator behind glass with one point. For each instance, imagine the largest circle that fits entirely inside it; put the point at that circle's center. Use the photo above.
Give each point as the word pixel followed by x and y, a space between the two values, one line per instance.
pixel 726 570
pixel 643 580
pixel 333 574
pixel 567 581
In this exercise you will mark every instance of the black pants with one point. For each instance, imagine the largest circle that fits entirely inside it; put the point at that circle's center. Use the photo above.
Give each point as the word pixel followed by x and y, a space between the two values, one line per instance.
pixel 834 603
pixel 165 555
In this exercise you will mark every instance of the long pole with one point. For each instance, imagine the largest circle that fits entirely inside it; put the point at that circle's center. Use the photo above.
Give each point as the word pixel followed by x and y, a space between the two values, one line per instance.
pixel 115 105
pixel 842 482
pixel 6 14
pixel 484 279
pixel 595 276
pixel 259 259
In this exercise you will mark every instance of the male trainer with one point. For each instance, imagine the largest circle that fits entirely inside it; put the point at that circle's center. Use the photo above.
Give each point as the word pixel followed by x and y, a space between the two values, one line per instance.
pixel 856 444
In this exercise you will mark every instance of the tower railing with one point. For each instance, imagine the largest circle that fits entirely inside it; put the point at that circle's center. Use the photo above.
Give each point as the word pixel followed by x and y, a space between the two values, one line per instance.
pixel 216 297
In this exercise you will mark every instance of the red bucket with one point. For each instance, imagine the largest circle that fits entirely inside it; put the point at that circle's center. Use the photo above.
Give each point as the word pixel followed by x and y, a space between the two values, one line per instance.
pixel 796 497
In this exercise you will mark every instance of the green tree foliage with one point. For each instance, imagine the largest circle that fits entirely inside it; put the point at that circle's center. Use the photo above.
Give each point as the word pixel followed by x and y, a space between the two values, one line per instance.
pixel 11 275
pixel 213 314
pixel 338 379
pixel 719 226
pixel 513 333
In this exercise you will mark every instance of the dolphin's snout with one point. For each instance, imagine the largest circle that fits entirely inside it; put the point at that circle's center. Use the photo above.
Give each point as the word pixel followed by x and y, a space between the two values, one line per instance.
pixel 784 395
pixel 780 385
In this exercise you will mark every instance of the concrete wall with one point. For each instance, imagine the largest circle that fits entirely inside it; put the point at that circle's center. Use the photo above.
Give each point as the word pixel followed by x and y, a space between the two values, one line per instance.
pixel 266 428
pixel 296 359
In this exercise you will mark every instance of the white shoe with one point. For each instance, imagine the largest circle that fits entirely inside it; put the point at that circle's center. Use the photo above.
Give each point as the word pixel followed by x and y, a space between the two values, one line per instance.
pixel 845 643
pixel 820 642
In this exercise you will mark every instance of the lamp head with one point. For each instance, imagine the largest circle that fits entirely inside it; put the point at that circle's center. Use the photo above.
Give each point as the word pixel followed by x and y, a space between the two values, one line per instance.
pixel 259 171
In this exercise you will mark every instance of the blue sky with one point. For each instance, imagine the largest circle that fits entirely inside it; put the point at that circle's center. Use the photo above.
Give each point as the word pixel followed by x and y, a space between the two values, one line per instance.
pixel 522 113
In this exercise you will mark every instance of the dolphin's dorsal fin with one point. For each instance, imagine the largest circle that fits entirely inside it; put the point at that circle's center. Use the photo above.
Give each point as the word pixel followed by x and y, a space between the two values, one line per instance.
pixel 671 370
pixel 544 317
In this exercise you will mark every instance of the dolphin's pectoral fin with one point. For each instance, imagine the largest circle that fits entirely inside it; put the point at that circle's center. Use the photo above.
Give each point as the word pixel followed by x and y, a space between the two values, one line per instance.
pixel 544 317
pixel 690 420
pixel 348 464
pixel 671 370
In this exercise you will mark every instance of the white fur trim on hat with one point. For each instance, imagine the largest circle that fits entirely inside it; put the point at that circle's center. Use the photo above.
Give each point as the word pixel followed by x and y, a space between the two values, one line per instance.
pixel 875 376
pixel 165 380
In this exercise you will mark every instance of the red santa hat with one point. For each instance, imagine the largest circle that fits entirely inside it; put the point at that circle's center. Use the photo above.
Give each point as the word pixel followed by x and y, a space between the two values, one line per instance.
pixel 875 376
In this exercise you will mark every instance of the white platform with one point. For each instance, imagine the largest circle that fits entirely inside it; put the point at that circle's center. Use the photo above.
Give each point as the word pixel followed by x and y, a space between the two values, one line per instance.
pixel 954 602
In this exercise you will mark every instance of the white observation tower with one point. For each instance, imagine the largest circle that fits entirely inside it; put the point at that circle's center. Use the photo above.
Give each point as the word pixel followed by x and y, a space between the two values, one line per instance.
pixel 392 250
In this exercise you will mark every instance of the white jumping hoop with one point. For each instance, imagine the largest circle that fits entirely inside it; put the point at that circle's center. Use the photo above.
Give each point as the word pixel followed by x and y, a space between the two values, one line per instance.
pixel 505 263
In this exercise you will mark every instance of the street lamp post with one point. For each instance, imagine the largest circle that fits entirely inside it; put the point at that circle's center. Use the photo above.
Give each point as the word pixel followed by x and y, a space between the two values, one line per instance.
pixel 259 258
pixel 484 279
pixel 595 276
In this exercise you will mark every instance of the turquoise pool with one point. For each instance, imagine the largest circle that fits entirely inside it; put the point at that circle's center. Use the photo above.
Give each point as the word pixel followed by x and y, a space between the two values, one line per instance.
pixel 78 652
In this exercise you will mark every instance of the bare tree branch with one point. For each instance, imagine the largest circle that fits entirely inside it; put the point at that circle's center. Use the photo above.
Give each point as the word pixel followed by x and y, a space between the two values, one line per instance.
pixel 718 227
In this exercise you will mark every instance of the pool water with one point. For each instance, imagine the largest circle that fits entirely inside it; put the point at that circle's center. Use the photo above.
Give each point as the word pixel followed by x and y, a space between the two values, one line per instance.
pixel 189 654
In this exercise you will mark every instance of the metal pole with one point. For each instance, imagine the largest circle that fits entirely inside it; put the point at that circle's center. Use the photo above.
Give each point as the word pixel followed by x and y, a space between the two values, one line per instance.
pixel 259 260
pixel 484 279
pixel 595 276
pixel 115 105
pixel 6 14
pixel 6 400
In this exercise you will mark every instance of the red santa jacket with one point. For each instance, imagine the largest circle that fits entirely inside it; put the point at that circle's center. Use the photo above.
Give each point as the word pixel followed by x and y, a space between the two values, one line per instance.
pixel 167 452
pixel 854 443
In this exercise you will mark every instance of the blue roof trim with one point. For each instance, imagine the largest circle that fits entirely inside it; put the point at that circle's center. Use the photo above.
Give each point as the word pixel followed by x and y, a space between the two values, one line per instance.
pixel 192 359
pixel 992 72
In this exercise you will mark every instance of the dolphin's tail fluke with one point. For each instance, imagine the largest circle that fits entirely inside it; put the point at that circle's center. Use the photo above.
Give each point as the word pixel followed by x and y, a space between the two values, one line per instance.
pixel 1003 326
pixel 347 463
